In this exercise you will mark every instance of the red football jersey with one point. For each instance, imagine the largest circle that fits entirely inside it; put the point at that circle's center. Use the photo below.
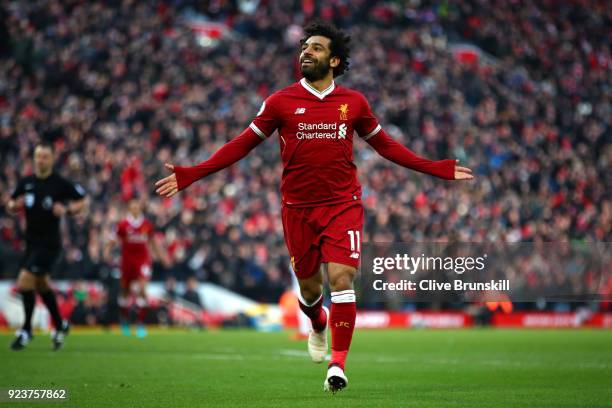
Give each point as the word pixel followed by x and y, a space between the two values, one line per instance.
pixel 315 132
pixel 134 235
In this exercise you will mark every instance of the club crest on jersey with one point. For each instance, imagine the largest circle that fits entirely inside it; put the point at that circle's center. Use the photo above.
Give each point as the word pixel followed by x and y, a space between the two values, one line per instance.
pixel 343 111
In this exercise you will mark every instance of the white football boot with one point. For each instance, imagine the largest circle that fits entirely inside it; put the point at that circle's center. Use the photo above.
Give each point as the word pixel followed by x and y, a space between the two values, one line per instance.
pixel 317 342
pixel 336 380
pixel 22 338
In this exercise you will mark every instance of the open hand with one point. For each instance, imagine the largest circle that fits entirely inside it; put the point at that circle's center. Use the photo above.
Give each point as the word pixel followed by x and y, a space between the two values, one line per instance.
pixel 463 173
pixel 167 187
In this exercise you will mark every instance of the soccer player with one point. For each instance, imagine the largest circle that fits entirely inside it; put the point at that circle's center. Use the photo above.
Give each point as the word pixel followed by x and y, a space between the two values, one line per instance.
pixel 135 234
pixel 322 212
pixel 46 197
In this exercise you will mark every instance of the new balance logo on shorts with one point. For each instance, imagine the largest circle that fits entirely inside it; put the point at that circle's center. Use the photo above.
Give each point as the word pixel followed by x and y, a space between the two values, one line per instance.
pixel 354 255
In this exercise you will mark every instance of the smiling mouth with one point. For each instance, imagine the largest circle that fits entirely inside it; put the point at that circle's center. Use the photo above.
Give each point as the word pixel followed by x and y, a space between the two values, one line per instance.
pixel 307 61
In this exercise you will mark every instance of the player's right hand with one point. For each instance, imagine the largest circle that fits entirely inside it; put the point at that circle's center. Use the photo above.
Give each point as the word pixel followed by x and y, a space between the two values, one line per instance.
pixel 167 187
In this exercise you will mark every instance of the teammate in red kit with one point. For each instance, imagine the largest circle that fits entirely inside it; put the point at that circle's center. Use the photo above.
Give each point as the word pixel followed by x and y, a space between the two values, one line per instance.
pixel 135 234
pixel 322 211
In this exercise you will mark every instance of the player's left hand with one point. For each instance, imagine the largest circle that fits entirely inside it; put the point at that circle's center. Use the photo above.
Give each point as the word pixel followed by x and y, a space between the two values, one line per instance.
pixel 59 209
pixel 463 173
pixel 167 187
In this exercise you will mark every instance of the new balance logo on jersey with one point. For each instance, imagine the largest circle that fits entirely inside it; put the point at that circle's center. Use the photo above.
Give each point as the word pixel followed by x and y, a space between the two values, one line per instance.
pixel 300 111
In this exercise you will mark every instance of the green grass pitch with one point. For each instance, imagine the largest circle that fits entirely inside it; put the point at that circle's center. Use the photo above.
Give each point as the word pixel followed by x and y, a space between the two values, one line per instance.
pixel 407 368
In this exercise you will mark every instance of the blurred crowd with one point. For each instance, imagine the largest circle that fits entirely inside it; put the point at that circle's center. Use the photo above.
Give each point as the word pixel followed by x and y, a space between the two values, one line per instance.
pixel 519 91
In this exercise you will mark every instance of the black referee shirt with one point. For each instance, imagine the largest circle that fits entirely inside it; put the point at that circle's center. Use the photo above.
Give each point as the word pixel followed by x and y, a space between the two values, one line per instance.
pixel 39 196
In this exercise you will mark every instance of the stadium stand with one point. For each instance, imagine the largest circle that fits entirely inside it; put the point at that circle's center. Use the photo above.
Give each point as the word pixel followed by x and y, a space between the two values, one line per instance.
pixel 520 92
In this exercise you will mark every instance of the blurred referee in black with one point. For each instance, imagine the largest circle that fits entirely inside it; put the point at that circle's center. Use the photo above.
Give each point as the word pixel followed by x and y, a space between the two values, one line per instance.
pixel 46 197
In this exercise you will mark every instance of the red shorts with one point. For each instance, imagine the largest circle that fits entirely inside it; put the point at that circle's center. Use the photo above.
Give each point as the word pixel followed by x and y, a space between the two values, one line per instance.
pixel 131 272
pixel 315 235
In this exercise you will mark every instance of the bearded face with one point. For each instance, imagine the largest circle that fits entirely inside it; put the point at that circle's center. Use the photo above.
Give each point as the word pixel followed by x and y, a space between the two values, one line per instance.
pixel 315 58
pixel 314 69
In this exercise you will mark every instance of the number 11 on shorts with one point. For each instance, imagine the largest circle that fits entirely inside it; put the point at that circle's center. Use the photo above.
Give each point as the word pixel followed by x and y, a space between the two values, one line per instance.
pixel 355 238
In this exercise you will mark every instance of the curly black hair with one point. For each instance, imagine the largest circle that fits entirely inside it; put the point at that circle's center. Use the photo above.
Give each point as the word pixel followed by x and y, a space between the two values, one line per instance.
pixel 339 45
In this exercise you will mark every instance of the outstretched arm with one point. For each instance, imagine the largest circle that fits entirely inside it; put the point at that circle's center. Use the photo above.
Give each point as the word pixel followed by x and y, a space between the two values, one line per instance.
pixel 267 120
pixel 228 154
pixel 370 130
pixel 399 154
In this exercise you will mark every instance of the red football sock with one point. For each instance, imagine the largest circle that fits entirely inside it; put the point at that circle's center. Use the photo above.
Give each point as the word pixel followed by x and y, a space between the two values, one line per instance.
pixel 315 313
pixel 342 321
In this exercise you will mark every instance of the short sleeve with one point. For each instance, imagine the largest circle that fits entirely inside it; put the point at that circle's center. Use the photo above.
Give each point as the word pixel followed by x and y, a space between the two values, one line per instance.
pixel 267 119
pixel 73 191
pixel 19 190
pixel 366 124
